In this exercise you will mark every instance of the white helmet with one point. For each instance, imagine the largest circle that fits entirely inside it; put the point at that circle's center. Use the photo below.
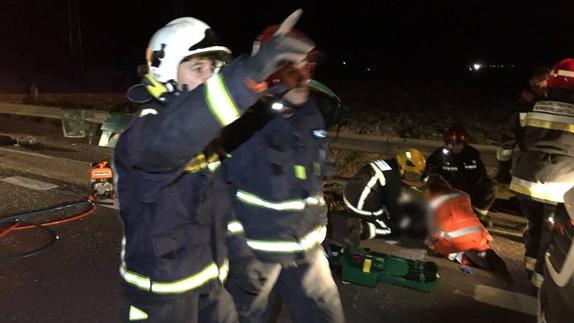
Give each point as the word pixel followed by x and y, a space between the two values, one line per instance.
pixel 177 40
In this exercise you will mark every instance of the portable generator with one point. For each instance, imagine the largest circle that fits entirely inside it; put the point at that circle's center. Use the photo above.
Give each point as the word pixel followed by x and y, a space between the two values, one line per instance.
pixel 101 181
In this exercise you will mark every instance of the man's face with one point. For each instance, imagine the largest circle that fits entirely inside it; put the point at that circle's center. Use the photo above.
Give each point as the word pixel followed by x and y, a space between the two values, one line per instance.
pixel 296 79
pixel 539 84
pixel 193 72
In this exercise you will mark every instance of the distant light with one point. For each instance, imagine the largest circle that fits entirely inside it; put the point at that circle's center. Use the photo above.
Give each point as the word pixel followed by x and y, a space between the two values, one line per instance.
pixel 344 63
pixel 368 69
pixel 476 66
pixel 277 106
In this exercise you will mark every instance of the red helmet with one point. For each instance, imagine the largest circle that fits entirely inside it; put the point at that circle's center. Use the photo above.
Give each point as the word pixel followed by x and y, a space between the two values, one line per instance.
pixel 264 37
pixel 455 135
pixel 562 75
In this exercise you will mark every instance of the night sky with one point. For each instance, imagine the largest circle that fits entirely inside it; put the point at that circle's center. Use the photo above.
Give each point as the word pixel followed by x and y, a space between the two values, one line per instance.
pixel 418 38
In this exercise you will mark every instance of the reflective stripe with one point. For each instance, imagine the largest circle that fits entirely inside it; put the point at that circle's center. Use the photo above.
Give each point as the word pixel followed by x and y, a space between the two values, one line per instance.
pixel 188 283
pixel 547 121
pixel 220 101
pixel 504 154
pixel 224 270
pixel 435 203
pixel 310 240
pixel 213 166
pixel 378 171
pixel 145 112
pixel 565 73
pixel 354 209
pixel 459 232
pixel 366 191
pixel 290 205
pixel 180 286
pixel 545 192
pixel 235 227
pixel 480 211
pixel 136 314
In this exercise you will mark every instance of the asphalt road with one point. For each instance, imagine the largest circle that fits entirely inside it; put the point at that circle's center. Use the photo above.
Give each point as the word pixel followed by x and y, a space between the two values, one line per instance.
pixel 77 280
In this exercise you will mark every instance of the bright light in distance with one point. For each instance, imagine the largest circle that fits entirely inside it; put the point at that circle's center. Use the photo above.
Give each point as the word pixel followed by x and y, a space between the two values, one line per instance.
pixel 344 63
pixel 445 151
pixel 277 106
pixel 368 69
pixel 476 66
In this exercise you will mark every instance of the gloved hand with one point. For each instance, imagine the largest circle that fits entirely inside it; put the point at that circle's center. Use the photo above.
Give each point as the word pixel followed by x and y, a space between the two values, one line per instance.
pixel 279 51
pixel 503 174
pixel 249 273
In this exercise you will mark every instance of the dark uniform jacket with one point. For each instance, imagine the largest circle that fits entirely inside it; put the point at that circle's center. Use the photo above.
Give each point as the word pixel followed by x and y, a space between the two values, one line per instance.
pixel 544 170
pixel 276 175
pixel 374 192
pixel 172 203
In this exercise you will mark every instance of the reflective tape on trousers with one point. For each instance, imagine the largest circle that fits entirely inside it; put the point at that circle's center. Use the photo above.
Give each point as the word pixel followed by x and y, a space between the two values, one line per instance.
pixel 307 242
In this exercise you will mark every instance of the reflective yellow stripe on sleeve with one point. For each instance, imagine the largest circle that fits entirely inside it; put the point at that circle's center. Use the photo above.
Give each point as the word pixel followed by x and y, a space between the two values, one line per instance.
pixel 208 273
pixel 288 205
pixel 219 101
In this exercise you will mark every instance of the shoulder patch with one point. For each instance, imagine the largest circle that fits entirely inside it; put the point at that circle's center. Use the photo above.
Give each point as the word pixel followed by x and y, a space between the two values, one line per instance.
pixel 382 165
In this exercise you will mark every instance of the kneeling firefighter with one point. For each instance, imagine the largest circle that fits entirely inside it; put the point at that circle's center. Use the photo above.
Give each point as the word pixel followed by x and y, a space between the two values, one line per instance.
pixel 277 176
pixel 174 258
pixel 455 231
pixel 374 193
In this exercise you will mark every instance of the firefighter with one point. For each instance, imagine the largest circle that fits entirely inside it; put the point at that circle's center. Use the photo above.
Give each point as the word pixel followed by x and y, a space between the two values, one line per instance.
pixel 455 231
pixel 557 293
pixel 277 175
pixel 544 171
pixel 537 90
pixel 173 258
pixel 374 192
pixel 460 164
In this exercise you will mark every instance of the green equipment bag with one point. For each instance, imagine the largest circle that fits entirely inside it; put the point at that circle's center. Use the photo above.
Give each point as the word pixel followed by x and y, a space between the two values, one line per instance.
pixel 362 267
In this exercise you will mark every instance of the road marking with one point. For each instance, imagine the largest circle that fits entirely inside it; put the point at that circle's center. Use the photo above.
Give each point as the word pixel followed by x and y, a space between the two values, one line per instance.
pixel 506 299
pixel 29 183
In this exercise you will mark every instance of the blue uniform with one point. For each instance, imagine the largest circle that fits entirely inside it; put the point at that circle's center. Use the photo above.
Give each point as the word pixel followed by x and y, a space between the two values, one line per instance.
pixel 172 203
pixel 277 179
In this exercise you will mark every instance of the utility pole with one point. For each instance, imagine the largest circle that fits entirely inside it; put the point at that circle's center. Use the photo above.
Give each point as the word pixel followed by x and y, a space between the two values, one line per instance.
pixel 74 31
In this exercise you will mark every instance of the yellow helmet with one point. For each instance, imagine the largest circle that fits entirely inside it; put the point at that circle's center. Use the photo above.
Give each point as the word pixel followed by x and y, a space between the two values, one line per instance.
pixel 412 161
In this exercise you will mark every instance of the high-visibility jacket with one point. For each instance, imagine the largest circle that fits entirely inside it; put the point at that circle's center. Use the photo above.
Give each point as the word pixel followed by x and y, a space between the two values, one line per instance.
pixel 545 168
pixel 172 203
pixel 277 178
pixel 454 226
pixel 374 192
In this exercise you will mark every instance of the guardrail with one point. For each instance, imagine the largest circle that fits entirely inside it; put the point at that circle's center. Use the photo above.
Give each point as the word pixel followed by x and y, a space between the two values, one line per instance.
pixel 94 116
pixel 360 143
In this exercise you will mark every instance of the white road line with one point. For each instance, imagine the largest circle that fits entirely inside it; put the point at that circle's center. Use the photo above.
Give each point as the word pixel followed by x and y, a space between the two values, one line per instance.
pixel 506 299
pixel 29 183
